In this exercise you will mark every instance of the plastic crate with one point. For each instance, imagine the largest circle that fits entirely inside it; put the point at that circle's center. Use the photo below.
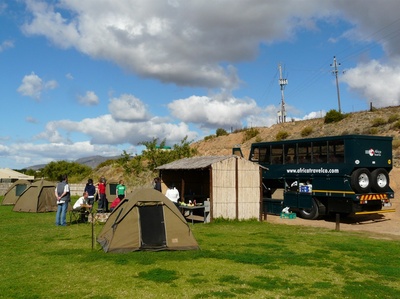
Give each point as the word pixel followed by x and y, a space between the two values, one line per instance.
pixel 288 216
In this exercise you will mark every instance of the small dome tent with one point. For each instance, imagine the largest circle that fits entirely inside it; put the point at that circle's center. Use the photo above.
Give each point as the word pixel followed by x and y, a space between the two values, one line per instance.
pixel 38 197
pixel 146 221
pixel 14 191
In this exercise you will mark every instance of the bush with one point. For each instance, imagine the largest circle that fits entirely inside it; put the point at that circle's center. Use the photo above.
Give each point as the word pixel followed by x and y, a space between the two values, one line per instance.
pixel 379 121
pixel 372 131
pixel 333 116
pixel 396 125
pixel 221 132
pixel 250 133
pixel 392 118
pixel 282 135
pixel 396 144
pixel 306 131
pixel 209 137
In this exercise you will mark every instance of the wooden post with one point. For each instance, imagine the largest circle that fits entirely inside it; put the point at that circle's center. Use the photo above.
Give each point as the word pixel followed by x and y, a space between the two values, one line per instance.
pixel 337 222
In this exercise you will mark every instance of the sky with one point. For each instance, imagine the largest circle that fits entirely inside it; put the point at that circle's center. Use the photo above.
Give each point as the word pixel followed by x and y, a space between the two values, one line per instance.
pixel 99 77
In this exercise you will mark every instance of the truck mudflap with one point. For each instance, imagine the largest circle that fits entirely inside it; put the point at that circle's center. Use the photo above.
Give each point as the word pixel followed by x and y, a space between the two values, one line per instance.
pixel 385 206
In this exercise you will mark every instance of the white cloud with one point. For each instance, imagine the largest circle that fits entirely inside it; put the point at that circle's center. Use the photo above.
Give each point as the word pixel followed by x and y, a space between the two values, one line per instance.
pixel 31 119
pixel 186 43
pixel 7 44
pixel 375 82
pixel 218 111
pixel 89 99
pixel 106 130
pixel 69 76
pixel 128 108
pixel 33 153
pixel 33 86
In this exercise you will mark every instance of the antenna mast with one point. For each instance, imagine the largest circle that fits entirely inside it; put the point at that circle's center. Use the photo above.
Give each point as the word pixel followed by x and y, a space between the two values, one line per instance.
pixel 335 65
pixel 282 83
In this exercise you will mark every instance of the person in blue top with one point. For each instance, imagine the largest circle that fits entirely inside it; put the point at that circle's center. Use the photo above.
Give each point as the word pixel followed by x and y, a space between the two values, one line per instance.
pixel 91 191
pixel 121 189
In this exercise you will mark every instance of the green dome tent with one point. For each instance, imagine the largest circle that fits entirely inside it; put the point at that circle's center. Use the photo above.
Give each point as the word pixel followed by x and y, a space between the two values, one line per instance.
pixel 146 221
pixel 14 191
pixel 38 197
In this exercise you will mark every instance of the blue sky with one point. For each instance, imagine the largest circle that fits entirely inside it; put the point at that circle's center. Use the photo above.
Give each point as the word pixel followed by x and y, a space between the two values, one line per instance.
pixel 96 77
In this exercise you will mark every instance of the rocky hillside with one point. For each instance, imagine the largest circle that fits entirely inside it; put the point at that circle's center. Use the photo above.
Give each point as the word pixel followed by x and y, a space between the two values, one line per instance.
pixel 383 122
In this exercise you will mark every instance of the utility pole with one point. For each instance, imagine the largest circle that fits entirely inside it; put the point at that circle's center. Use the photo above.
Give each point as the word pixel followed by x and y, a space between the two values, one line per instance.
pixel 282 83
pixel 335 65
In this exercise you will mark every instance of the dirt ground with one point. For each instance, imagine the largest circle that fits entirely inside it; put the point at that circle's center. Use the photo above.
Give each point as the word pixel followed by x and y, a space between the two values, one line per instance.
pixel 383 226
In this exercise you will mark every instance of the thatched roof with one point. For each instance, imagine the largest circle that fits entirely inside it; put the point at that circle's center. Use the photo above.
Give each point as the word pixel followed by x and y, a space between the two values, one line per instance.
pixel 195 162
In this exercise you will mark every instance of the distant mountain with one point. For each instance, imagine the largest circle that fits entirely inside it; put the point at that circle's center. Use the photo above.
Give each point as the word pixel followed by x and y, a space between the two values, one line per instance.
pixel 92 162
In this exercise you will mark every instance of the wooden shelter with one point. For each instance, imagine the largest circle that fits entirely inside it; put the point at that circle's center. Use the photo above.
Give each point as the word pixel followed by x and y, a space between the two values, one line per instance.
pixel 232 184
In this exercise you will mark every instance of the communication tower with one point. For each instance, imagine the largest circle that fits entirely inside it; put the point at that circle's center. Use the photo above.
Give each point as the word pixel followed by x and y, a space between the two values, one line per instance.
pixel 282 82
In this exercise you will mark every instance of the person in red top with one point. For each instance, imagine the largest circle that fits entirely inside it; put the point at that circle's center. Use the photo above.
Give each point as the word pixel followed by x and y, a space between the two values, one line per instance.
pixel 115 203
pixel 103 204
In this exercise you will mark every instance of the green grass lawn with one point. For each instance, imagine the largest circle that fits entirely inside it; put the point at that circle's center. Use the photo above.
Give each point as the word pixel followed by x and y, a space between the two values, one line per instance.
pixel 237 260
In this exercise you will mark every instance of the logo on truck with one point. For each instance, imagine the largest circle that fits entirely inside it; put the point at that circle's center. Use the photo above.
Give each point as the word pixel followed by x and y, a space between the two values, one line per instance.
pixel 373 153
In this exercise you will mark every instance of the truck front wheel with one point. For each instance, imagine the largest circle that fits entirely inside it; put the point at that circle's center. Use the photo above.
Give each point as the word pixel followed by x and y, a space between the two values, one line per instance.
pixel 312 213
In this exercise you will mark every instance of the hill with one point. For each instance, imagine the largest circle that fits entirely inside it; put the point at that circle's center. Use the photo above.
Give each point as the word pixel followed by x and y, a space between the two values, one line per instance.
pixel 382 122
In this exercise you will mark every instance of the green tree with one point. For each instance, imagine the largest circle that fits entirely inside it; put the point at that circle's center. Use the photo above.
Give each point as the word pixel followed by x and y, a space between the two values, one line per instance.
pixel 155 156
pixel 75 171
pixel 333 116
pixel 221 132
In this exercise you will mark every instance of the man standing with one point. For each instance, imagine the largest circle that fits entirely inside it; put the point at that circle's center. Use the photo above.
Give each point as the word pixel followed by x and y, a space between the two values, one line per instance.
pixel 173 194
pixel 63 198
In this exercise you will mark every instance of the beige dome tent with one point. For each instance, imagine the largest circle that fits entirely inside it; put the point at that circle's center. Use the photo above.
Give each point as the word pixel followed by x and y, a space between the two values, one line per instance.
pixel 38 197
pixel 146 221
pixel 14 191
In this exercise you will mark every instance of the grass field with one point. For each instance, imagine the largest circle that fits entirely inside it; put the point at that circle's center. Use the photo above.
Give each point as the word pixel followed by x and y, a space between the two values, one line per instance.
pixel 237 260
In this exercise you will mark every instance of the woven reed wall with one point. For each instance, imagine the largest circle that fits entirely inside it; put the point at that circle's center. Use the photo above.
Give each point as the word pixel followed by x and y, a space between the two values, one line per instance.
pixel 224 189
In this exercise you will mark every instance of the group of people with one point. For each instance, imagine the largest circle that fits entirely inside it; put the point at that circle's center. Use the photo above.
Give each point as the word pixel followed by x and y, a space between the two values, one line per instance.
pixel 85 203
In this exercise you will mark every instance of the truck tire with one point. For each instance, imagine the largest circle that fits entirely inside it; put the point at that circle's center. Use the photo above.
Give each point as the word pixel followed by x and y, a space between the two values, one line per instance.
pixel 312 213
pixel 361 180
pixel 380 180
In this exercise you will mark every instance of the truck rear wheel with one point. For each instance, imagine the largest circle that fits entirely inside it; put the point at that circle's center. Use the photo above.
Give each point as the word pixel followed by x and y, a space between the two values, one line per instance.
pixel 380 180
pixel 361 180
pixel 312 213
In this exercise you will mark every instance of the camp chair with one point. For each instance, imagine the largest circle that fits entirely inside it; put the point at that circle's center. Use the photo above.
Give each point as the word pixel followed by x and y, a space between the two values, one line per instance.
pixel 74 216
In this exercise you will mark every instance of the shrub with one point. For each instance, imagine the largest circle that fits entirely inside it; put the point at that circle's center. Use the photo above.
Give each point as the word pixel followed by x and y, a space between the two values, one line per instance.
pixel 392 118
pixel 209 137
pixel 282 135
pixel 306 131
pixel 396 125
pixel 372 131
pixel 379 121
pixel 250 133
pixel 221 132
pixel 333 116
pixel 258 138
pixel 396 144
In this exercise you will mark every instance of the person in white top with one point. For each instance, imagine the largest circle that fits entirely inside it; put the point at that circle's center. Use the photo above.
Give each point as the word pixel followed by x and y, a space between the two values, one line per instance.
pixel 82 205
pixel 83 200
pixel 172 194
